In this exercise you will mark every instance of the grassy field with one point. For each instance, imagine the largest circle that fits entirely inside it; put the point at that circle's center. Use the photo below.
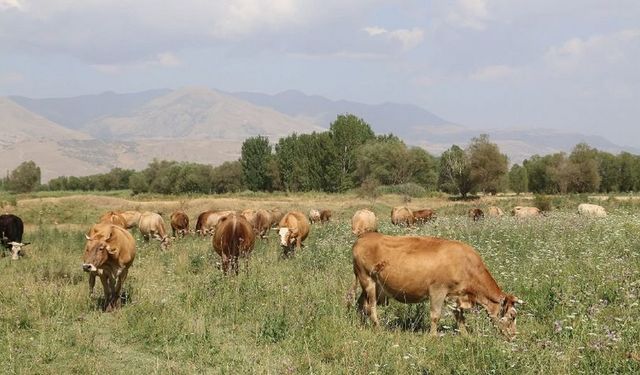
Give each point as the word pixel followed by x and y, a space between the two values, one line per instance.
pixel 580 279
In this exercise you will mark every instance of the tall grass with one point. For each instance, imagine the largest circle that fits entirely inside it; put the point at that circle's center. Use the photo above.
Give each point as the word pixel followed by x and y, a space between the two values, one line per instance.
pixel 580 279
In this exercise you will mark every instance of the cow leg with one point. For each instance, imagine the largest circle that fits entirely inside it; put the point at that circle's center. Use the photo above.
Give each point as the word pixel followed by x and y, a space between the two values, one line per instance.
pixel 122 276
pixel 436 298
pixel 225 264
pixel 235 264
pixel 107 291
pixel 298 244
pixel 92 283
pixel 113 297
pixel 459 314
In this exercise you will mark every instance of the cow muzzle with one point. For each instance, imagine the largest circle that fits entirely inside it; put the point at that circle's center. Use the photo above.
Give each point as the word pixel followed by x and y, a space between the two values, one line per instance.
pixel 88 267
pixel 16 250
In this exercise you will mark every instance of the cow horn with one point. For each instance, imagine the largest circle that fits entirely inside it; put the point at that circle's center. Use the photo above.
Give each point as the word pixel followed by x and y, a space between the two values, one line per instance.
pixel 519 302
pixel 87 237
pixel 26 243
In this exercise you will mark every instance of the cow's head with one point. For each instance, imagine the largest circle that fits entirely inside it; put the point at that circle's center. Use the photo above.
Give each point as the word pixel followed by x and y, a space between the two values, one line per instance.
pixel 165 242
pixel 96 252
pixel 507 318
pixel 287 236
pixel 16 249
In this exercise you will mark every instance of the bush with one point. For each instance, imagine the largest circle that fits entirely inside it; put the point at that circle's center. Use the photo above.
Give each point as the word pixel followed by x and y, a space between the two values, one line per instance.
pixel 543 202
pixel 409 189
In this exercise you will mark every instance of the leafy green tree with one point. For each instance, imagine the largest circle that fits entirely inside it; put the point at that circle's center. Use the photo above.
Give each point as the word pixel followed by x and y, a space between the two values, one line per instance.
pixel 610 171
pixel 488 167
pixel 348 133
pixel 629 172
pixel 138 183
pixel 563 174
pixel 255 159
pixel 24 178
pixel 455 172
pixel 227 177
pixel 584 159
pixel 539 180
pixel 518 179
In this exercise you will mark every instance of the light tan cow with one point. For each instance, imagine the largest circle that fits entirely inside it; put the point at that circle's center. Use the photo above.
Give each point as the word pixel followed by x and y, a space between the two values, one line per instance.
pixel 213 218
pixel 113 217
pixel 363 221
pixel 592 210
pixel 522 211
pixel 233 238
pixel 293 229
pixel 414 269
pixel 314 216
pixel 495 211
pixel 201 220
pixel 152 225
pixel 402 216
pixel 108 253
pixel 131 217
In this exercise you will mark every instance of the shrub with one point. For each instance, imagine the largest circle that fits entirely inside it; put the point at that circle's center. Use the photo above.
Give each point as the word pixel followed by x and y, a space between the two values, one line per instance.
pixel 543 202
pixel 409 189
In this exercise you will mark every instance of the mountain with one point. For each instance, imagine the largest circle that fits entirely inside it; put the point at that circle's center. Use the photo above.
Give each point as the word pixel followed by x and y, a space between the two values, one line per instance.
pixel 77 111
pixel 198 113
pixel 404 120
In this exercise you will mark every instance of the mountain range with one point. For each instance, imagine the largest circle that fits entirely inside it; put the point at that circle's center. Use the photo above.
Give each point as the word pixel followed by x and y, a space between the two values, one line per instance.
pixel 93 133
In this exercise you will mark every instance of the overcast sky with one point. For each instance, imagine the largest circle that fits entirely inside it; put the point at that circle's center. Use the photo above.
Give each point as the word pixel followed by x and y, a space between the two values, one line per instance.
pixel 570 64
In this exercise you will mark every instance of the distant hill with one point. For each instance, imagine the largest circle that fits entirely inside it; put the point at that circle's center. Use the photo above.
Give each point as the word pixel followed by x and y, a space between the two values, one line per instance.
pixel 94 133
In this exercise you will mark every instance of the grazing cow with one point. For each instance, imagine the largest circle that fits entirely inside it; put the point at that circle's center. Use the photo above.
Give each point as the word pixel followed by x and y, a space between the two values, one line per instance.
pixel 363 221
pixel 475 214
pixel 494 211
pixel 115 218
pixel 179 223
pixel 250 215
pixel 592 210
pixel 521 211
pixel 402 216
pixel 233 238
pixel 11 230
pixel 152 225
pixel 314 216
pixel 131 217
pixel 276 216
pixel 422 216
pixel 414 269
pixel 109 252
pixel 262 223
pixel 202 219
pixel 210 224
pixel 293 229
pixel 325 216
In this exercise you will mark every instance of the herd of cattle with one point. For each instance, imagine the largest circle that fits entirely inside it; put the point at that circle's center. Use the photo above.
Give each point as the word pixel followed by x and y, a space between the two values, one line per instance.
pixel 410 269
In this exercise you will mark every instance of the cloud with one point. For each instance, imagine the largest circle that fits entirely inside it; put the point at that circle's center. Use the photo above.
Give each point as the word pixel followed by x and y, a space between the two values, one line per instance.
pixel 164 60
pixel 11 4
pixel 407 38
pixel 9 78
pixel 472 14
pixel 494 72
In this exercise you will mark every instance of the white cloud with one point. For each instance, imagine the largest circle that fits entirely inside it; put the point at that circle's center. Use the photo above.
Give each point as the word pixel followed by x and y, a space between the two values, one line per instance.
pixel 472 14
pixel 164 60
pixel 493 72
pixel 407 38
pixel 11 4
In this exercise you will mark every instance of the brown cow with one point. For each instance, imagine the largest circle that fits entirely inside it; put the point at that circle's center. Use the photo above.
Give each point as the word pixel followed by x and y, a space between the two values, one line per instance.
pixel 422 216
pixel 250 215
pixel 202 219
pixel 233 238
pixel 494 211
pixel 314 216
pixel 109 252
pixel 402 216
pixel 113 217
pixel 520 211
pixel 276 216
pixel 293 229
pixel 179 223
pixel 363 221
pixel 475 214
pixel 325 216
pixel 414 269
pixel 262 224
pixel 152 225
pixel 131 217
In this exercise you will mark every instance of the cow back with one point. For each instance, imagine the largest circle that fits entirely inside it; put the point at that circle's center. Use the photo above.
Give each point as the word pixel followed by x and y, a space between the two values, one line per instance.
pixel 363 221
pixel 234 236
pixel 297 222
pixel 402 216
pixel 11 229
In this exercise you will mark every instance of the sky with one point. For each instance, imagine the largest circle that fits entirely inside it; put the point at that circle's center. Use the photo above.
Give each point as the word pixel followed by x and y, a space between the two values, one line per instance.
pixel 571 65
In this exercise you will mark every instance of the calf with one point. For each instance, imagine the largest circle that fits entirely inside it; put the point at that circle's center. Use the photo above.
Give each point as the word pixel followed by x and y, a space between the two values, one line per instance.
pixel 402 216
pixel 422 216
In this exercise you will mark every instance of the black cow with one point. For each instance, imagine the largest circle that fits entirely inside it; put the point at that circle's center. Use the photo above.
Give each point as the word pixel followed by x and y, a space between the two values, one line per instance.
pixel 11 229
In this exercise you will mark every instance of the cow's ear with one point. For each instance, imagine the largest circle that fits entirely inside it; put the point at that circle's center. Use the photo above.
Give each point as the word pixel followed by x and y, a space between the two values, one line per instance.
pixel 111 250
pixel 26 243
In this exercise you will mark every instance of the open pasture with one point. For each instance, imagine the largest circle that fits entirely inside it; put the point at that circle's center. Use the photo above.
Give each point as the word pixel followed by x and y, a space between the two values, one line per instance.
pixel 579 278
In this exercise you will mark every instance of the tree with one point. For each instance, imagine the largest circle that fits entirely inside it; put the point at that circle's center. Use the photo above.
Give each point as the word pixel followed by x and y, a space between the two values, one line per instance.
pixel 629 171
pixel 256 154
pixel 227 177
pixel 138 183
pixel 584 160
pixel 488 167
pixel 455 172
pixel 348 132
pixel 518 179
pixel 563 174
pixel 609 169
pixel 25 178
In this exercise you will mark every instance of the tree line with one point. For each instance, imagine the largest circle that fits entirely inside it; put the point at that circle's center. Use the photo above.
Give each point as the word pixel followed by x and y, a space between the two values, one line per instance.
pixel 350 155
